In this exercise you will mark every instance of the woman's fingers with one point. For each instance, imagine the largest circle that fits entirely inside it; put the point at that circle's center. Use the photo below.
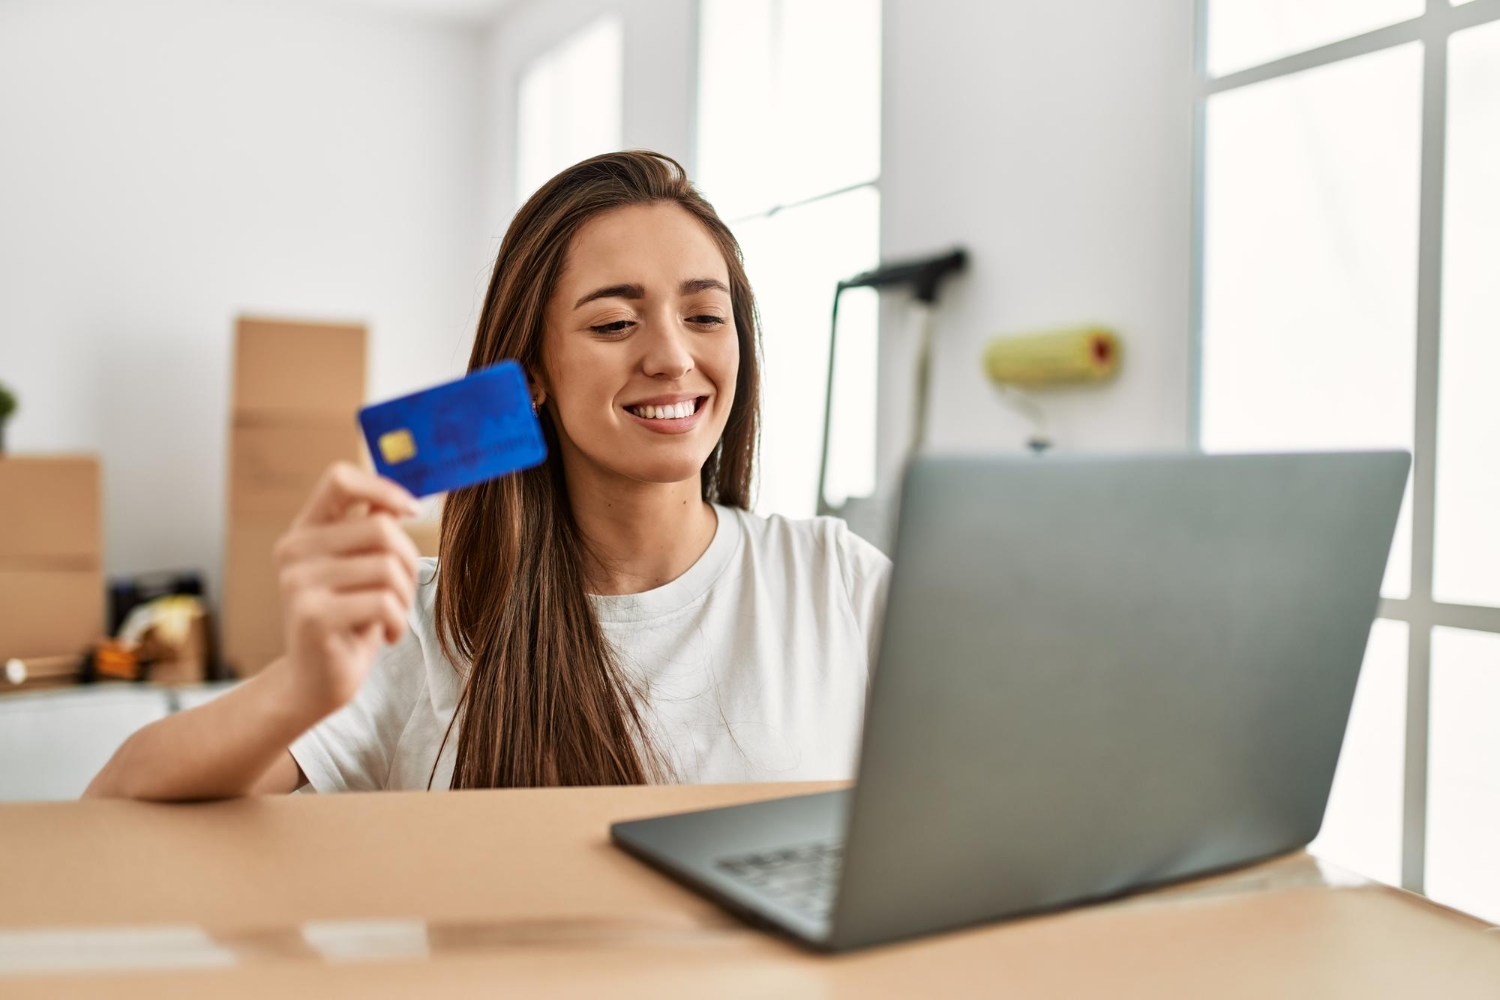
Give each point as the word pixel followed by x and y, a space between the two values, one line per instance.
pixel 344 484
pixel 361 572
pixel 374 534
pixel 348 576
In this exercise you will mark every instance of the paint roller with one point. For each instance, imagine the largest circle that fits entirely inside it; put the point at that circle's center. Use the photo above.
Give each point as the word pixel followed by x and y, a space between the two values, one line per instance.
pixel 1080 353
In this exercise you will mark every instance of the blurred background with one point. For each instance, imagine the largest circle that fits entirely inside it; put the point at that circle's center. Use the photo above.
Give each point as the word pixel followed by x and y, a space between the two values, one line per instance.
pixel 224 224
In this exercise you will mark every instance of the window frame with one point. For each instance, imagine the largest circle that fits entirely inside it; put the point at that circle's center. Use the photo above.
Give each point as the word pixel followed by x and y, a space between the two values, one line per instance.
pixel 769 213
pixel 1433 28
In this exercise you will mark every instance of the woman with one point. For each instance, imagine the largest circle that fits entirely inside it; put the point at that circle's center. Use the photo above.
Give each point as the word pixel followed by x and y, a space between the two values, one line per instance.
pixel 618 614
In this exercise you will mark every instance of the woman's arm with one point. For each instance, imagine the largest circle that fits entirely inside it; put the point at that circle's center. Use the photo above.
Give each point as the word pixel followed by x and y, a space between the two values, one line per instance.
pixel 347 576
pixel 234 745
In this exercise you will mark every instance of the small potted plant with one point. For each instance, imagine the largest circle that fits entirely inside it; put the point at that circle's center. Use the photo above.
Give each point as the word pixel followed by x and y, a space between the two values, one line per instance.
pixel 7 407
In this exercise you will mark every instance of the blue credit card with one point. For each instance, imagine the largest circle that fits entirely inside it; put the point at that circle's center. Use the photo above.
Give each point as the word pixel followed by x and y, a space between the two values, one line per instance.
pixel 458 433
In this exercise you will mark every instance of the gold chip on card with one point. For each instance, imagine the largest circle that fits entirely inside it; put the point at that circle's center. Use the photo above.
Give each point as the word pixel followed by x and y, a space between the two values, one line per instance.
pixel 397 445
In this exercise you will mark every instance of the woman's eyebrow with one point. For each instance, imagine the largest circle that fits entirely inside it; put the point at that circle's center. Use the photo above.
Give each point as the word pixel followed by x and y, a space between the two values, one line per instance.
pixel 693 285
pixel 612 292
pixel 688 287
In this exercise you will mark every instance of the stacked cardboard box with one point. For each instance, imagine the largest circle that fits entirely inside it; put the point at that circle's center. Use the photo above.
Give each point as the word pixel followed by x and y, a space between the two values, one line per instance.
pixel 51 555
pixel 297 389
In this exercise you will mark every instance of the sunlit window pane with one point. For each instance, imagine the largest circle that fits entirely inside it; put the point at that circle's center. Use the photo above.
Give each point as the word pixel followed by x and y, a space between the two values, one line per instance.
pixel 1463 772
pixel 794 259
pixel 788 102
pixel 789 112
pixel 568 105
pixel 830 49
pixel 1466 567
pixel 1309 268
pixel 1245 33
pixel 1362 826
pixel 737 129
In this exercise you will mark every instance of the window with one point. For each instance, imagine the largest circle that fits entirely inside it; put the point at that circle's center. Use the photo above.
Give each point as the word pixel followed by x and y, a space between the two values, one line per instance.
pixel 1463 814
pixel 789 154
pixel 568 104
pixel 1349 227
pixel 1466 556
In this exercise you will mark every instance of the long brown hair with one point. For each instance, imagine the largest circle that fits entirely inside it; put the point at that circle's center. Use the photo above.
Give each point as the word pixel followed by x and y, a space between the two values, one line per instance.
pixel 545 701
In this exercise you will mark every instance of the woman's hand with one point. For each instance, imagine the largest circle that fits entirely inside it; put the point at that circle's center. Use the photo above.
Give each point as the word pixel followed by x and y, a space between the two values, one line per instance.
pixel 348 577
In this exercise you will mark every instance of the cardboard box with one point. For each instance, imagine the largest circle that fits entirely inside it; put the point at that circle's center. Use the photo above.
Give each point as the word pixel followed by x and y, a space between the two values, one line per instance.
pixel 298 368
pixel 276 462
pixel 49 611
pixel 297 389
pixel 337 896
pixel 51 569
pixel 50 510
pixel 252 596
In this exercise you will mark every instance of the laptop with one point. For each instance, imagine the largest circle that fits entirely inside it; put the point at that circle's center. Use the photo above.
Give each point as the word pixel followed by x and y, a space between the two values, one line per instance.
pixel 1095 675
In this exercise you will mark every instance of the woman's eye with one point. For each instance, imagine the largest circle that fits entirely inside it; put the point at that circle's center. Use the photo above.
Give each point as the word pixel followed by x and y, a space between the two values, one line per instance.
pixel 711 320
pixel 618 326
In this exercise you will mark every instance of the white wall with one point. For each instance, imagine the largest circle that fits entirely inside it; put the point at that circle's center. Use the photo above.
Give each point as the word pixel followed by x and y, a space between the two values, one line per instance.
pixel 1054 140
pixel 660 77
pixel 168 164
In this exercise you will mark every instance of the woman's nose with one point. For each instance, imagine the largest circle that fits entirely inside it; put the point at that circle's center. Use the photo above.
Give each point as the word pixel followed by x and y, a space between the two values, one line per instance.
pixel 667 352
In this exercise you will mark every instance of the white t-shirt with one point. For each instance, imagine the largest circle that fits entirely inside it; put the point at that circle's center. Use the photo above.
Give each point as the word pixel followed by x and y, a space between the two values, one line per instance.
pixel 754 663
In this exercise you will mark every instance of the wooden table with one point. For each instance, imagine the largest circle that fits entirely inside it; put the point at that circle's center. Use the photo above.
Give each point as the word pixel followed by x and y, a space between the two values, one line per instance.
pixel 519 893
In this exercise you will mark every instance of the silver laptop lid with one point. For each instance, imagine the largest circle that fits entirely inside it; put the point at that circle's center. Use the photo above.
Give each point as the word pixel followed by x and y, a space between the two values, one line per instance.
pixel 1100 673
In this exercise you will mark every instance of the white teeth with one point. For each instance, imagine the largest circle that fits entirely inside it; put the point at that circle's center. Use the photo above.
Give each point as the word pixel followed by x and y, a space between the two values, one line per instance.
pixel 674 412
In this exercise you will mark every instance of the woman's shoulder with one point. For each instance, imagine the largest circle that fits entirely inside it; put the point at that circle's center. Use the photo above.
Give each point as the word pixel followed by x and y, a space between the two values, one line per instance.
pixel 822 555
pixel 822 538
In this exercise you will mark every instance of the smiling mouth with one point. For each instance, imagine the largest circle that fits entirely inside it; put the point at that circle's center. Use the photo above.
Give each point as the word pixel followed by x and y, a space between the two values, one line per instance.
pixel 676 411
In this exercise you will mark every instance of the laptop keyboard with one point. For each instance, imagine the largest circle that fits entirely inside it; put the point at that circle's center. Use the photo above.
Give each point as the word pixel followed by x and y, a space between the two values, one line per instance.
pixel 803 877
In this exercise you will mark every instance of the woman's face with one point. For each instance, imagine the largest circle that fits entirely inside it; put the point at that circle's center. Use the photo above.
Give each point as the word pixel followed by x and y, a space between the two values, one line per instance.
pixel 640 353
